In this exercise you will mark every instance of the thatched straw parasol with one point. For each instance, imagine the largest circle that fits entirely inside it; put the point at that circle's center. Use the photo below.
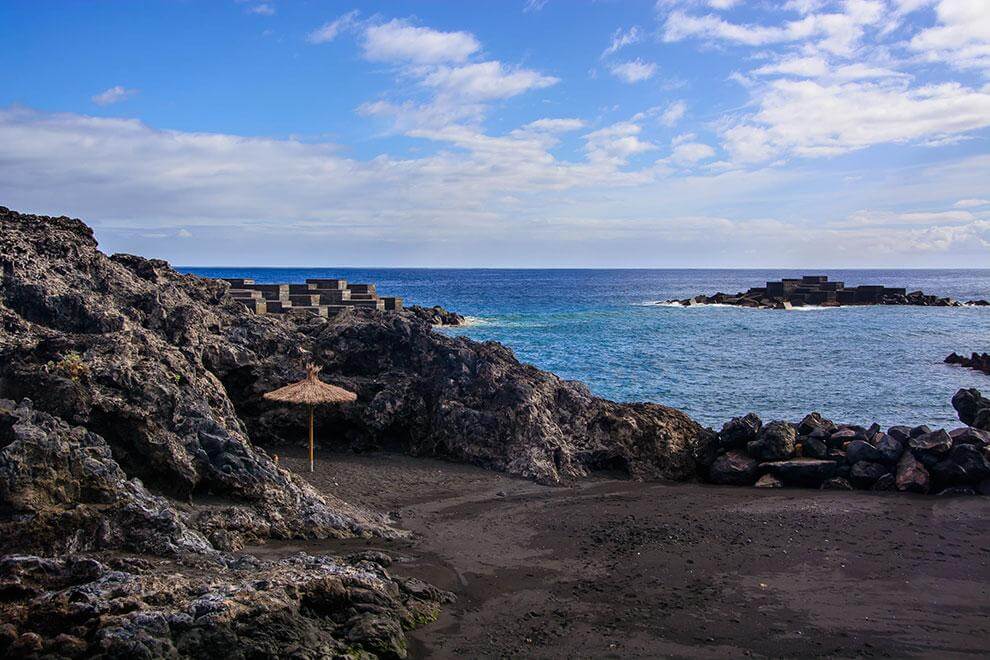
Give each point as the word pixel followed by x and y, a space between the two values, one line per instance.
pixel 311 391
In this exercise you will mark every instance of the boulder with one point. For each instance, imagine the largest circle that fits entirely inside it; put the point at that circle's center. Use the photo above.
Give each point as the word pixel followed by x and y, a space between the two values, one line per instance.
pixel 840 438
pixel 902 433
pixel 775 442
pixel 865 473
pixel 968 435
pixel 813 421
pixel 972 460
pixel 920 430
pixel 733 468
pixel 804 472
pixel 861 450
pixel 837 483
pixel 740 431
pixel 889 447
pixel 911 475
pixel 929 448
pixel 973 408
pixel 769 481
pixel 813 447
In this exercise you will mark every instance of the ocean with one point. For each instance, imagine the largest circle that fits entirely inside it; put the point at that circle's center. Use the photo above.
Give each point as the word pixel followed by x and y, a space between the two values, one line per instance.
pixel 852 364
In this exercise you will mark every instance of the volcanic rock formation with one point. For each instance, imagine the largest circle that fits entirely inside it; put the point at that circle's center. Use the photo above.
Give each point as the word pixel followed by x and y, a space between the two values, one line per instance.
pixel 130 417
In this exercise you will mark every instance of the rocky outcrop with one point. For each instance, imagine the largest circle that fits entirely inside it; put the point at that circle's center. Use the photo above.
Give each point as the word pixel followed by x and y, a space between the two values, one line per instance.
pixel 818 290
pixel 436 315
pixel 130 422
pixel 976 361
pixel 302 606
pixel 973 408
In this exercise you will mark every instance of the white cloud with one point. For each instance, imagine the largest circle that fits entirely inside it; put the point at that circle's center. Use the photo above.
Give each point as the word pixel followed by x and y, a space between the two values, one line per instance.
pixel 617 143
pixel 808 118
pixel 263 9
pixel 634 71
pixel 399 41
pixel 674 113
pixel 486 81
pixel 555 125
pixel 534 5
pixel 689 153
pixel 115 94
pixel 329 31
pixel 962 36
pixel 971 203
pixel 622 38
pixel 838 33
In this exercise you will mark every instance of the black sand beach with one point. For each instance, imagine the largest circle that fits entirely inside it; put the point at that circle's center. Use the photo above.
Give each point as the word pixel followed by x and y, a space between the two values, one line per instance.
pixel 627 569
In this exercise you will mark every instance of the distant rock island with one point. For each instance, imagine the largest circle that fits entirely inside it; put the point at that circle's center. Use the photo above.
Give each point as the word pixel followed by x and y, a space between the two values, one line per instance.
pixel 817 290
pixel 977 361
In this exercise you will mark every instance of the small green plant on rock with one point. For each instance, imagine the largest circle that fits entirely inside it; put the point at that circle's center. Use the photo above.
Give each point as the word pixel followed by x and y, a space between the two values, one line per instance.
pixel 72 366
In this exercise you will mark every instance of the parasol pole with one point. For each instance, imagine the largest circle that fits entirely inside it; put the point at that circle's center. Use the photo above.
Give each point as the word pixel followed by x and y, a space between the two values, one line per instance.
pixel 310 437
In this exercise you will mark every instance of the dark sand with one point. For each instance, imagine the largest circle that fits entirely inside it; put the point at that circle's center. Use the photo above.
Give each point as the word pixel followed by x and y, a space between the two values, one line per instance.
pixel 626 569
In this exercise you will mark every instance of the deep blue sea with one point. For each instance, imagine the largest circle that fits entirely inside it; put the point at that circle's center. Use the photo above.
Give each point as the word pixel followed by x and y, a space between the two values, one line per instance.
pixel 853 364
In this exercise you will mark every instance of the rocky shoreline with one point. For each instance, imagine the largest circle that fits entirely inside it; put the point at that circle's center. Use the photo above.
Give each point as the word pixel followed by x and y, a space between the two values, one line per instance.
pixel 976 361
pixel 817 290
pixel 818 453
pixel 131 414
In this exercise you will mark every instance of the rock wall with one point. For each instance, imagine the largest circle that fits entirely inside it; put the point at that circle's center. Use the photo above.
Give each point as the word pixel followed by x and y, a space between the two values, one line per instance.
pixel 817 453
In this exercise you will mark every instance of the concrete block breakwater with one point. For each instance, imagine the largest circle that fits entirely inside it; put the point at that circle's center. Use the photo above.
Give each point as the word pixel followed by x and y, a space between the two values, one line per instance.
pixel 819 291
pixel 318 296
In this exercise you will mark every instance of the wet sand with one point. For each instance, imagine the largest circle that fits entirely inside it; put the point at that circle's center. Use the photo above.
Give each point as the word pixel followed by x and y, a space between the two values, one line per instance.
pixel 624 569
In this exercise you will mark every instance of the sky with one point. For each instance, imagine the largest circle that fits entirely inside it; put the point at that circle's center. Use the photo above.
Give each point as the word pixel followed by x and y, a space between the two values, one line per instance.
pixel 519 133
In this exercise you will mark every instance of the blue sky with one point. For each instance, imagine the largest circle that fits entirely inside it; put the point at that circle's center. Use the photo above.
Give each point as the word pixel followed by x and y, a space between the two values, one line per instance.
pixel 806 133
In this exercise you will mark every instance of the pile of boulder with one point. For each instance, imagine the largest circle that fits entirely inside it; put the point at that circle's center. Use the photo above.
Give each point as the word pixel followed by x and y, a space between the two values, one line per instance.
pixel 818 453
pixel 819 291
pixel 977 361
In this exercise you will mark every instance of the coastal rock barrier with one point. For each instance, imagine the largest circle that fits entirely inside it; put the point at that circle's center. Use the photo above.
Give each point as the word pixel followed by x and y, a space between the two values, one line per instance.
pixel 818 453
pixel 819 291
pixel 977 361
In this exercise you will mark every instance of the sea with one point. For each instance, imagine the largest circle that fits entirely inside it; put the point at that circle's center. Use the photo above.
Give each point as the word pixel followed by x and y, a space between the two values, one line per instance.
pixel 605 327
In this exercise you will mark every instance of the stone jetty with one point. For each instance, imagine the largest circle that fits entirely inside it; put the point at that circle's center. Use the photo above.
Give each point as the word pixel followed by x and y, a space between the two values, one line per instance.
pixel 819 291
pixel 318 296
pixel 977 361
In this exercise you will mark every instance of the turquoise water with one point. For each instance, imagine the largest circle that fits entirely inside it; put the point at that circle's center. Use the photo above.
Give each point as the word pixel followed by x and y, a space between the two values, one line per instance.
pixel 853 364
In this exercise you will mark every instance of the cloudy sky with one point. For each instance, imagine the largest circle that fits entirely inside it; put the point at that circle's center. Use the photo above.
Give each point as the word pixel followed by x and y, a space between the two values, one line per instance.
pixel 517 133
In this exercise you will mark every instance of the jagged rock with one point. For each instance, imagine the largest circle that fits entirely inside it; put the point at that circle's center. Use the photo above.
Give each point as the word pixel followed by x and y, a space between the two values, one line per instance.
pixel 775 442
pixel 900 432
pixel 973 408
pixel 865 473
pixel 861 450
pixel 836 483
pixel 813 421
pixel 972 461
pixel 930 447
pixel 840 438
pixel 733 468
pixel 320 606
pixel 920 430
pixel 804 472
pixel 813 447
pixel 970 436
pixel 436 315
pixel 911 474
pixel 740 431
pixel 889 447
pixel 768 481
